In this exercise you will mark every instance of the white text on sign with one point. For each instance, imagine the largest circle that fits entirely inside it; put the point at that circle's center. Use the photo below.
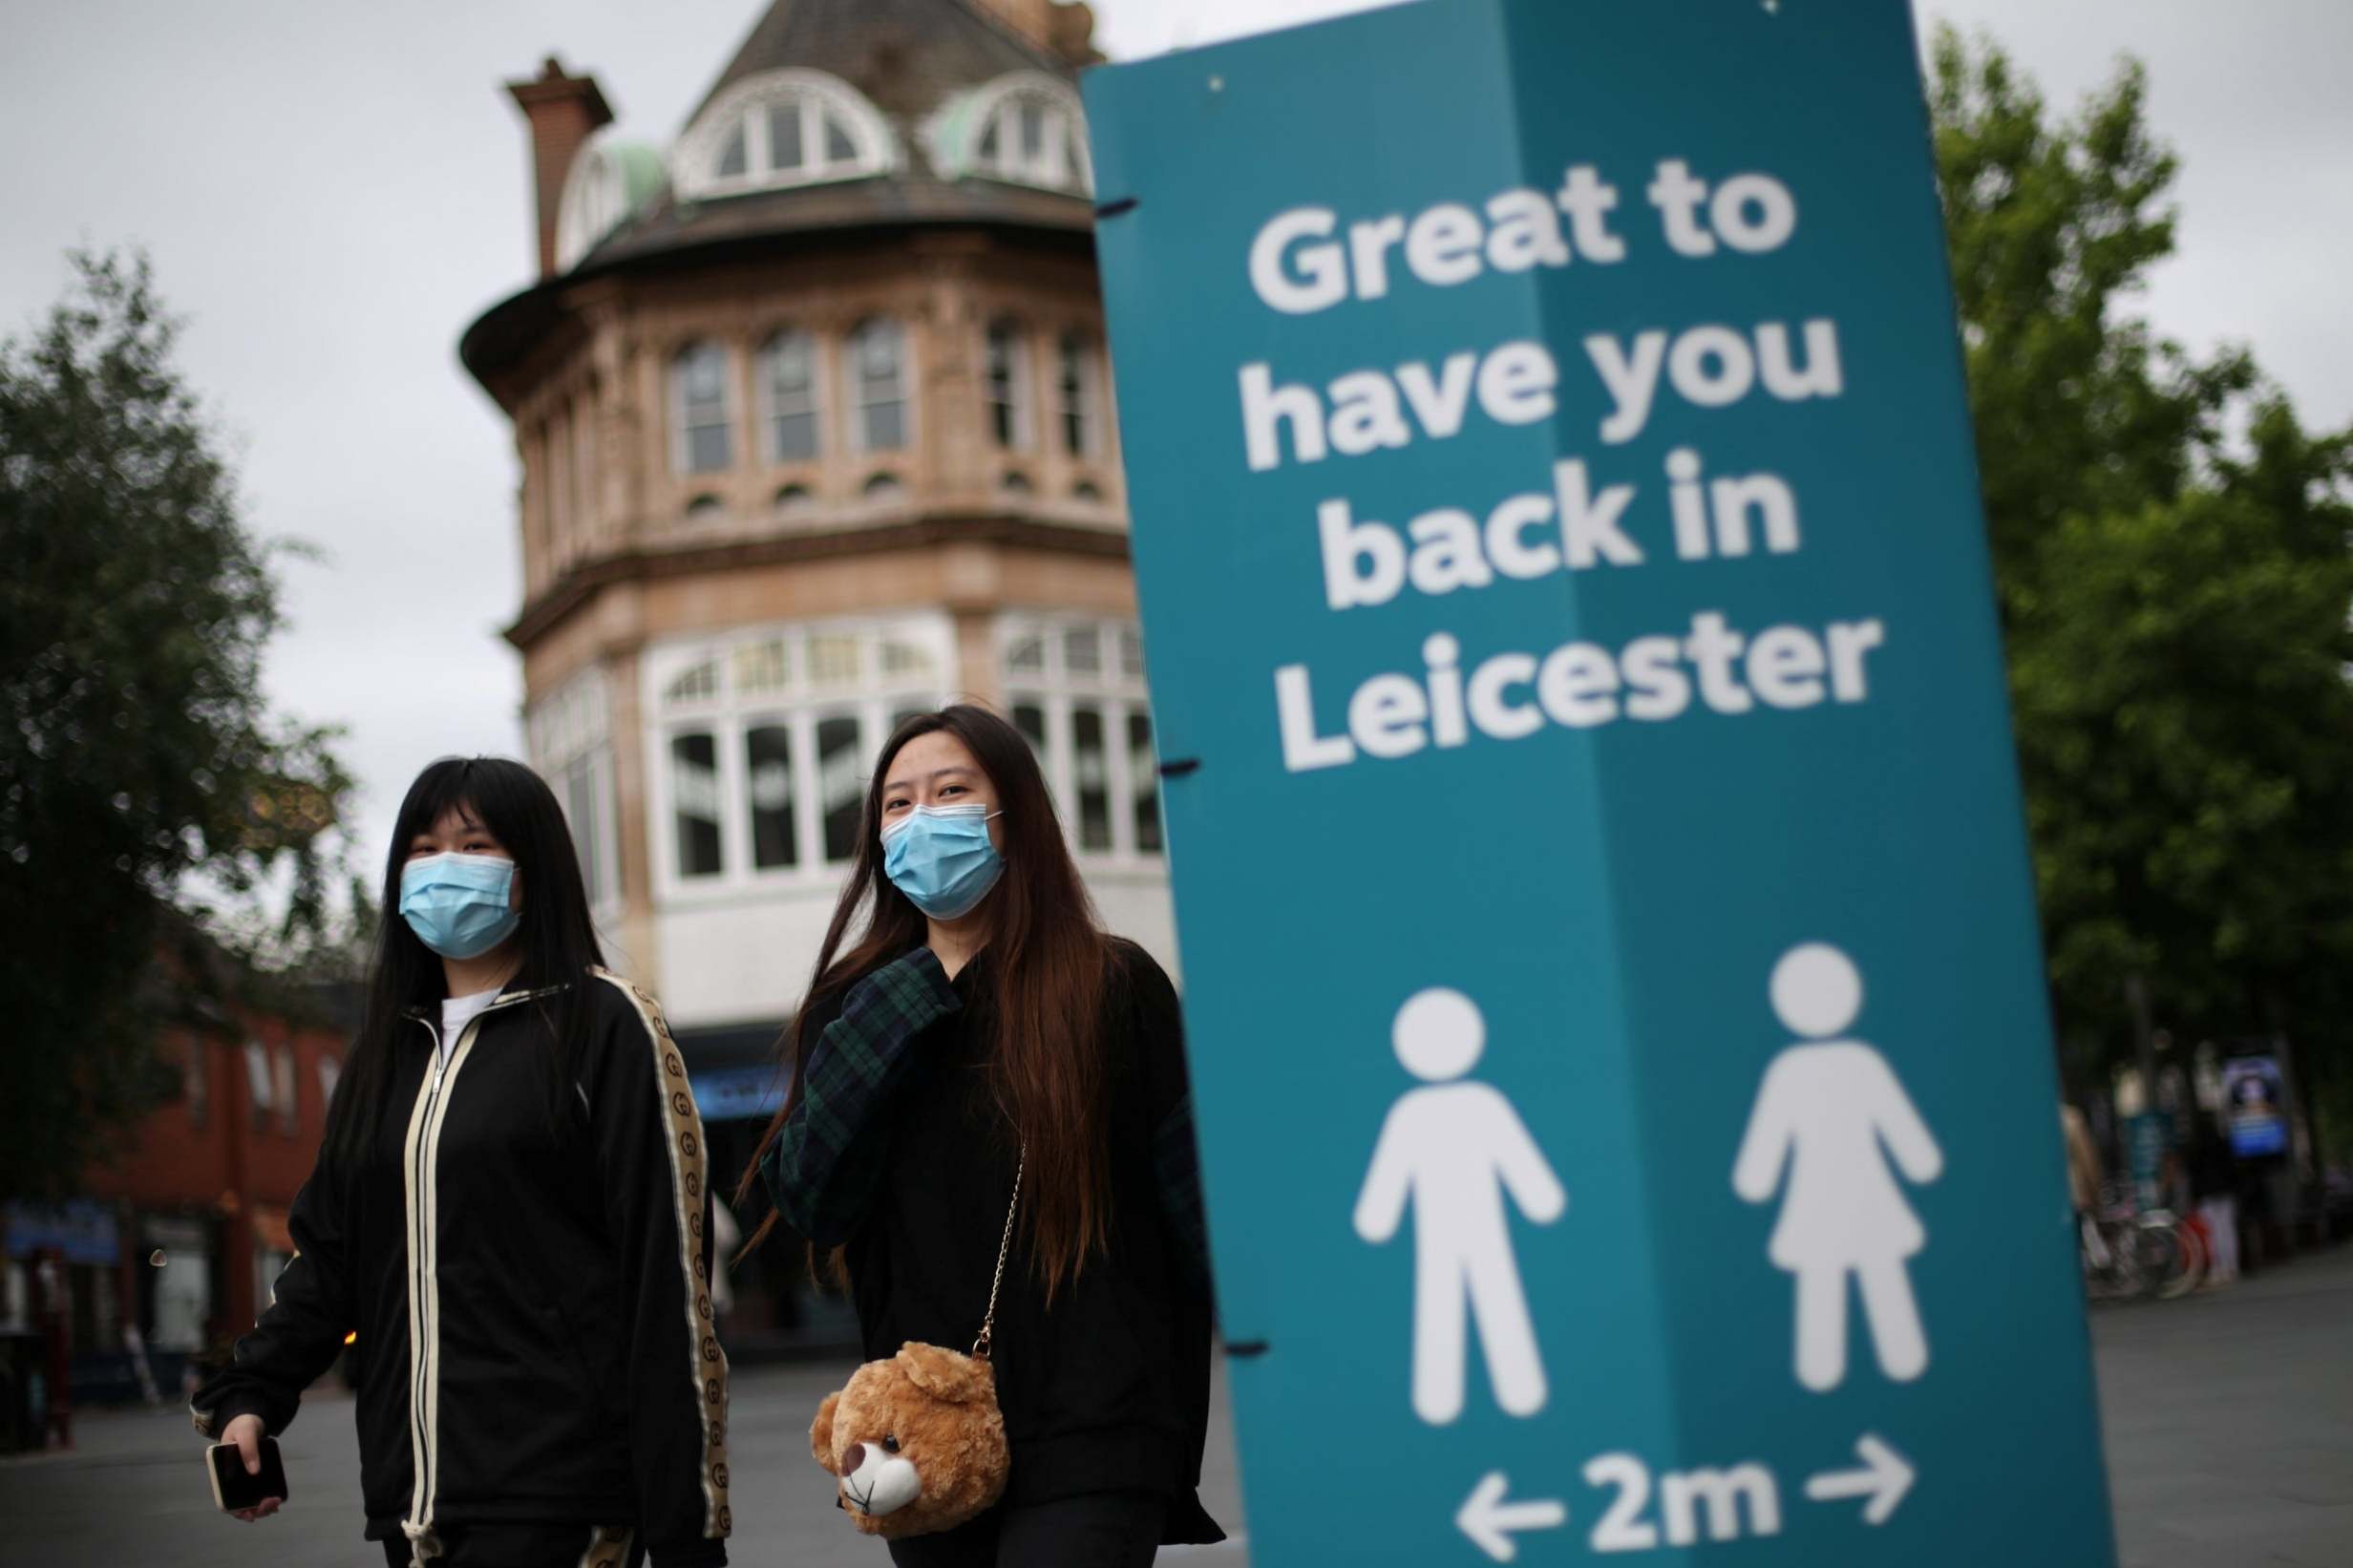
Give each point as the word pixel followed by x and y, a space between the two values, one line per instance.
pixel 1310 260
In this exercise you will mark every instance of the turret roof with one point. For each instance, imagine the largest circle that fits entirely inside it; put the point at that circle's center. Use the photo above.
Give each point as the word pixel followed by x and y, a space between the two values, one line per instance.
pixel 904 55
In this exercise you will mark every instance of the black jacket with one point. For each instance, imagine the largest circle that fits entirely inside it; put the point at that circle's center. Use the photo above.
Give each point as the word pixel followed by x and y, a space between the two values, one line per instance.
pixel 899 1151
pixel 531 1300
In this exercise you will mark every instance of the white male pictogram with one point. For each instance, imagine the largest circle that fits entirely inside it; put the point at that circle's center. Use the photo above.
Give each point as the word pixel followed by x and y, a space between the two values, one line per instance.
pixel 1452 1149
pixel 1832 1111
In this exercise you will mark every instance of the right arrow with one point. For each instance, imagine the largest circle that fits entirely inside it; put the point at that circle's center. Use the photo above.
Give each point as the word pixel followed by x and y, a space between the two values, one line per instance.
pixel 1490 1521
pixel 1885 1478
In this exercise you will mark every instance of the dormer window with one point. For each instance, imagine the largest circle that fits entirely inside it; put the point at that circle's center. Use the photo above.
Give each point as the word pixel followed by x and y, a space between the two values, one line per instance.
pixel 1026 129
pixel 779 129
pixel 608 183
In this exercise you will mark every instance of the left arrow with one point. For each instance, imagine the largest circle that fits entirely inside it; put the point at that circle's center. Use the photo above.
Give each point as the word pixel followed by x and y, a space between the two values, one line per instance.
pixel 1490 1522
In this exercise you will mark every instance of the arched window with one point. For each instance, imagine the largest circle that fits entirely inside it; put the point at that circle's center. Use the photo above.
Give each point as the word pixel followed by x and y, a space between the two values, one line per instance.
pixel 878 387
pixel 609 181
pixel 760 771
pixel 699 419
pixel 1027 129
pixel 1079 395
pixel 884 487
pixel 793 499
pixel 698 683
pixel 1075 691
pixel 782 128
pixel 1008 385
pixel 789 389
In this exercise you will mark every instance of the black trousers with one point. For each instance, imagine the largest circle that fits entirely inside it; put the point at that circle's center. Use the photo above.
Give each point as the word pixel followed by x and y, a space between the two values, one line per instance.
pixel 1104 1530
pixel 528 1546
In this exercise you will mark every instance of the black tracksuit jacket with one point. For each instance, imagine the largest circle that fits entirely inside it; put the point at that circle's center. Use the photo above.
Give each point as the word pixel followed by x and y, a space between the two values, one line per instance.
pixel 532 1302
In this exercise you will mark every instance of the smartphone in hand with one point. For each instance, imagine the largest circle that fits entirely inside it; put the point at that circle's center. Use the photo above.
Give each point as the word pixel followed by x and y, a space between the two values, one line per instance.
pixel 232 1488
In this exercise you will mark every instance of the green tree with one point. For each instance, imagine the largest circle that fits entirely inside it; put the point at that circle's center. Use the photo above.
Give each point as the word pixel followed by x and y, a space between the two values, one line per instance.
pixel 2171 553
pixel 141 778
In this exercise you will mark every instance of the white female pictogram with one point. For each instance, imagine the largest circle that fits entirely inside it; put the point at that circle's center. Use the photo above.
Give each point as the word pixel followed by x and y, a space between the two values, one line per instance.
pixel 1832 1111
pixel 1454 1150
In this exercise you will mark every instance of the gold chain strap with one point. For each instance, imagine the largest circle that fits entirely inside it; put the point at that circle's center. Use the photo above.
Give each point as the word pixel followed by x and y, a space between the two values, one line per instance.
pixel 1005 1248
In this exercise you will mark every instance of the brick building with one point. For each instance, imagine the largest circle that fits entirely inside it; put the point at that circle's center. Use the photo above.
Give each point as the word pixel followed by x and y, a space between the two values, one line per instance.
pixel 181 1234
pixel 814 428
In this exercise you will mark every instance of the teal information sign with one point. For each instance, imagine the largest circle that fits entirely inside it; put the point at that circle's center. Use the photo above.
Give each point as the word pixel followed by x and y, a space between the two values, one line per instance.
pixel 1626 1092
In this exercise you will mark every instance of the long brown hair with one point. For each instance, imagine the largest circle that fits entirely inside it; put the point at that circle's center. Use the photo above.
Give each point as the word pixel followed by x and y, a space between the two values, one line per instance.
pixel 1049 957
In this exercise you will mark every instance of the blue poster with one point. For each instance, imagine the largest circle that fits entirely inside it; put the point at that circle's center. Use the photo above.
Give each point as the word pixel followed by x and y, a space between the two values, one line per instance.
pixel 1618 1028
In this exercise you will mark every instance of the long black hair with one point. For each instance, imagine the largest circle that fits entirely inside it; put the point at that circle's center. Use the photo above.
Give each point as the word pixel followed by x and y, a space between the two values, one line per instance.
pixel 558 941
pixel 1047 1060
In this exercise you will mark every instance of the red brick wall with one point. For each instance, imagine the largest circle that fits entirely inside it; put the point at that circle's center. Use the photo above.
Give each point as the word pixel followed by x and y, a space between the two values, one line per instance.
pixel 175 1160
pixel 237 1159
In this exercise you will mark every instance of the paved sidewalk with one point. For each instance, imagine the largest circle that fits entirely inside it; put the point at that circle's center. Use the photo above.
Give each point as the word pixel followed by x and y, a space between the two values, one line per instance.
pixel 2228 1419
pixel 132 1493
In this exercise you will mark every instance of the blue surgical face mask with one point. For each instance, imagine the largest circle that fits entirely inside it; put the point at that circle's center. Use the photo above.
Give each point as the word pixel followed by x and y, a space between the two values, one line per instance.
pixel 941 859
pixel 458 904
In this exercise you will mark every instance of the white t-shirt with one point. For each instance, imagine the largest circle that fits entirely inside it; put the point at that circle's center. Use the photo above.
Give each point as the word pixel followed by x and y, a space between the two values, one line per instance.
pixel 456 1012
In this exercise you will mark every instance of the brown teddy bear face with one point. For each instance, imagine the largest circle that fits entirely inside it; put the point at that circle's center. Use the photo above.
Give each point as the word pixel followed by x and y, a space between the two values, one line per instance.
pixel 915 1442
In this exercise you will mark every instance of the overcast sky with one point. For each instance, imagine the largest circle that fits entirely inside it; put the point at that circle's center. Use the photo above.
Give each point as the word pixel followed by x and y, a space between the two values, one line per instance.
pixel 331 192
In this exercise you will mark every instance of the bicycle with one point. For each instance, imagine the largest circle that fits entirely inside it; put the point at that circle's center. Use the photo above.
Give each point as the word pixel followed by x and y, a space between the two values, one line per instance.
pixel 2132 1256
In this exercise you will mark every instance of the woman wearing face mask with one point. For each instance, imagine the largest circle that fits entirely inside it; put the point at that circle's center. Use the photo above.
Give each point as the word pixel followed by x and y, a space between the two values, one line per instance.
pixel 980 1026
pixel 509 1212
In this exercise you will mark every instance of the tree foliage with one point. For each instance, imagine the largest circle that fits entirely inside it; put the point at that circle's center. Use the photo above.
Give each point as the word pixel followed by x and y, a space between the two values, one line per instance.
pixel 140 772
pixel 2171 552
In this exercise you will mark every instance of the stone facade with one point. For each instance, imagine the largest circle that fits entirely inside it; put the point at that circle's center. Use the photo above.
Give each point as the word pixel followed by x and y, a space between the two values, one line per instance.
pixel 819 432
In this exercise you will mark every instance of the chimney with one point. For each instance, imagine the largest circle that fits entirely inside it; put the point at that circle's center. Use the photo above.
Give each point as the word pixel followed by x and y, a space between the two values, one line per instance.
pixel 565 111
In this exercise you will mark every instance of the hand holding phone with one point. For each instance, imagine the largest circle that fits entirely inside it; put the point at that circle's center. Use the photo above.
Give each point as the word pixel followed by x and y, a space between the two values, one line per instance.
pixel 248 1476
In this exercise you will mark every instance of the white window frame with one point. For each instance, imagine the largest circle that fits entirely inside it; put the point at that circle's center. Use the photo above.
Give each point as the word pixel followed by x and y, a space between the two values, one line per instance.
pixel 570 727
pixel 682 464
pixel 764 372
pixel 1083 350
pixel 799 734
pixel 1063 163
pixel 1020 384
pixel 1059 693
pixel 854 387
pixel 723 786
pixel 798 706
pixel 694 164
pixel 261 1087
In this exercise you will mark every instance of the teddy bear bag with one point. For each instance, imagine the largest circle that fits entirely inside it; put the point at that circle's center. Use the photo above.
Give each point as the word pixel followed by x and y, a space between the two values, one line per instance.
pixel 915 1442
